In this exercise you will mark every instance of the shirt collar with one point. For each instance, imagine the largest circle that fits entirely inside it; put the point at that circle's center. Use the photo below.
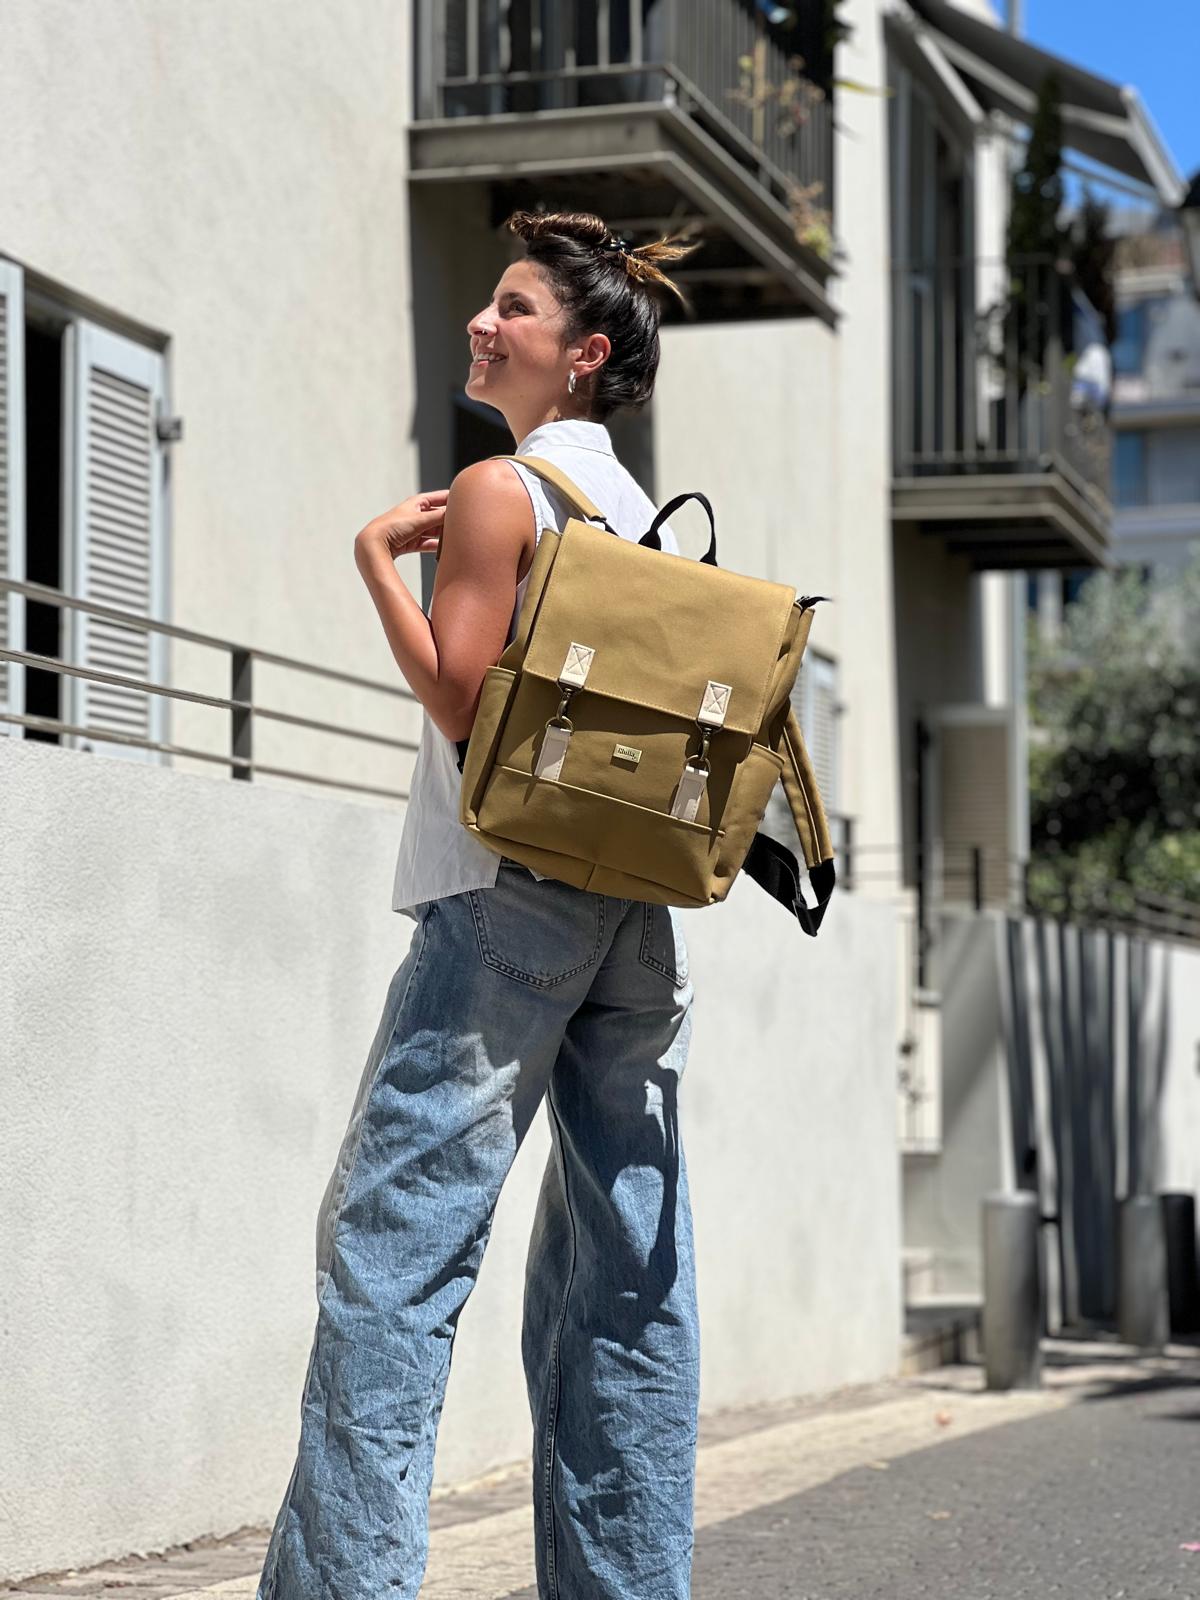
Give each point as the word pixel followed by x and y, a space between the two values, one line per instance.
pixel 567 430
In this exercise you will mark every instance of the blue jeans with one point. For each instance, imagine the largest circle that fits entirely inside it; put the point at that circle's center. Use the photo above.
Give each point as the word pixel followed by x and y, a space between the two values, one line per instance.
pixel 507 996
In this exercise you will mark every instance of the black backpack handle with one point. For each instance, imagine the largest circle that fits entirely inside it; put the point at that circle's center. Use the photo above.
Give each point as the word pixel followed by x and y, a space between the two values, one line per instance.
pixel 651 538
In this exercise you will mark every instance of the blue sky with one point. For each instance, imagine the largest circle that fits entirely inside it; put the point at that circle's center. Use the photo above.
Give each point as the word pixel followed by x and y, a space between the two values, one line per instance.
pixel 1153 45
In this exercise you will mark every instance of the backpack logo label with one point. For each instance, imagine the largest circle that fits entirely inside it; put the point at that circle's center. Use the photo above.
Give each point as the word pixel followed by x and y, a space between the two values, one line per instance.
pixel 626 752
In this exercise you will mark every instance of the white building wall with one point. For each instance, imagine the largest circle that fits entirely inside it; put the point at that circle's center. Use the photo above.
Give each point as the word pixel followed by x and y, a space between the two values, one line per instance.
pixel 232 178
pixel 180 1049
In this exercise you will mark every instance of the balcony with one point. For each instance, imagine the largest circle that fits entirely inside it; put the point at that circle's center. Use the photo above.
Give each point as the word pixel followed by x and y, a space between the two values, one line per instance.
pixel 655 113
pixel 1001 390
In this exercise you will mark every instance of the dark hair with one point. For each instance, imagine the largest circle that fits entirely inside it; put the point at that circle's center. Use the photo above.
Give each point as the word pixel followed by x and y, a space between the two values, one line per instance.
pixel 605 285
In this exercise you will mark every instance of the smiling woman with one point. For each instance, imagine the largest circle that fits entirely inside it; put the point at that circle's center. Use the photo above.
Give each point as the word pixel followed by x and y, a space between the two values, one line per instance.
pixel 516 989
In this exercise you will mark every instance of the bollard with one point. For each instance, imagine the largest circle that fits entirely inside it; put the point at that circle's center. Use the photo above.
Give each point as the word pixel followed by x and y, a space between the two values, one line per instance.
pixel 1142 1311
pixel 1012 1291
pixel 1183 1276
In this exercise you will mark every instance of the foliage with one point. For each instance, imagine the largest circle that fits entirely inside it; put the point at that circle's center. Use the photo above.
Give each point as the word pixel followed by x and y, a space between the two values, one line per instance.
pixel 1037 190
pixel 1093 252
pixel 1037 243
pixel 1115 759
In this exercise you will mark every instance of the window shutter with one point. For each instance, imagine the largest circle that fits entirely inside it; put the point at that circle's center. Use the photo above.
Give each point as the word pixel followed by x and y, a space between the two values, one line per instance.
pixel 12 489
pixel 820 726
pixel 815 701
pixel 973 807
pixel 116 523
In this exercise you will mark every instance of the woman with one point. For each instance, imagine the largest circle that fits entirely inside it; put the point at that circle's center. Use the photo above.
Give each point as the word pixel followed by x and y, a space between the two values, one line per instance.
pixel 515 988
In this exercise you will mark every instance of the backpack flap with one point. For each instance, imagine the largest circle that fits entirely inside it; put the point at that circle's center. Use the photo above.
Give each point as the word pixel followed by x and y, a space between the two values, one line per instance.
pixel 771 864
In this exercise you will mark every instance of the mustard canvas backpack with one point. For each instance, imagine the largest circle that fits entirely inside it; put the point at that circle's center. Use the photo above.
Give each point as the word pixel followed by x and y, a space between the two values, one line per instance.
pixel 630 736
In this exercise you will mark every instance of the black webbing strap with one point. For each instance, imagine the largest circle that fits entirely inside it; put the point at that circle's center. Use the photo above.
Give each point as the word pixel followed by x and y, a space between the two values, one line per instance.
pixel 775 869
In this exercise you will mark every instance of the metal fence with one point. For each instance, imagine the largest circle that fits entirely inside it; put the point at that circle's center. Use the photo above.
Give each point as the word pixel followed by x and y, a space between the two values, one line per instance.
pixel 714 59
pixel 243 710
pixel 995 371
pixel 946 875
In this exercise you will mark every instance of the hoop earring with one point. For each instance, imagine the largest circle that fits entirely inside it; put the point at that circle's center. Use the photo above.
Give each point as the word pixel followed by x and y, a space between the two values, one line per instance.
pixel 571 384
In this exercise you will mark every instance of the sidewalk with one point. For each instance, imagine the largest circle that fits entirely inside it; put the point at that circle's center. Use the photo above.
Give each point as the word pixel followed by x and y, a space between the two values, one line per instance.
pixel 925 1486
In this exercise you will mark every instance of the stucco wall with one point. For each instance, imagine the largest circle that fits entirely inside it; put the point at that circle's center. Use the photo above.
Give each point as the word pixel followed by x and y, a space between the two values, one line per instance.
pixel 193 972
pixel 233 178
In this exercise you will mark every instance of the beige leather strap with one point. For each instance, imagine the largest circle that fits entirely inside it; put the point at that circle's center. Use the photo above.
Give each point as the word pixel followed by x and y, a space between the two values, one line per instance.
pixel 800 786
pixel 570 492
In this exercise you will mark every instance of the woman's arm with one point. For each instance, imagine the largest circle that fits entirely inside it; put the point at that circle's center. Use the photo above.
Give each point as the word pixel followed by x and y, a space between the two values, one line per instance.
pixel 488 525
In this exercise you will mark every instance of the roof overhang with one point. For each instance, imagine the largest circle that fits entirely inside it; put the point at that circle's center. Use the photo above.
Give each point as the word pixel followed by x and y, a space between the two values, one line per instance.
pixel 1103 121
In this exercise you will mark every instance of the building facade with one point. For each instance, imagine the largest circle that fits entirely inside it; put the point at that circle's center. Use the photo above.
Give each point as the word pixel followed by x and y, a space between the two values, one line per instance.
pixel 236 267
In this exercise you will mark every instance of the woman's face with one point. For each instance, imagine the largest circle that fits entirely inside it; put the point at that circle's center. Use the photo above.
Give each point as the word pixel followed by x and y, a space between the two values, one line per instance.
pixel 517 360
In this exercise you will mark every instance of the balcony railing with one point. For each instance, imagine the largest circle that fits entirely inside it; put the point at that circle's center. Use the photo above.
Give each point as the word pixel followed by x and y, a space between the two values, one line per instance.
pixel 999 368
pixel 715 60
pixel 245 711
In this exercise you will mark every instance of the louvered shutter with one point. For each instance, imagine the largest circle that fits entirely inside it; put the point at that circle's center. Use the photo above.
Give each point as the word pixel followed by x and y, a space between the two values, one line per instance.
pixel 820 725
pixel 12 489
pixel 118 545
pixel 814 698
pixel 972 793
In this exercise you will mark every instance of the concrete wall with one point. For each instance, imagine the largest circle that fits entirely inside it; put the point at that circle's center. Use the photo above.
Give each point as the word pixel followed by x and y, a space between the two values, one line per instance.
pixel 942 1190
pixel 193 972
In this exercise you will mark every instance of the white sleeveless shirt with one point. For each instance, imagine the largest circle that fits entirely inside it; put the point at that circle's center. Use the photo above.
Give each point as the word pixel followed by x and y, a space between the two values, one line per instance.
pixel 438 856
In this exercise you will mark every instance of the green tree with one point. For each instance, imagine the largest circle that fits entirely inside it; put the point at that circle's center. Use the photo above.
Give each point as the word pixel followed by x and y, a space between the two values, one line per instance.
pixel 1038 252
pixel 1115 751
pixel 1092 254
pixel 1037 187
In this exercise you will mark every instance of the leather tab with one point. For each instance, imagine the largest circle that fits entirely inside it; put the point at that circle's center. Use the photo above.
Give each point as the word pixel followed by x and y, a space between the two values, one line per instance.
pixel 552 753
pixel 692 783
pixel 714 704
pixel 575 667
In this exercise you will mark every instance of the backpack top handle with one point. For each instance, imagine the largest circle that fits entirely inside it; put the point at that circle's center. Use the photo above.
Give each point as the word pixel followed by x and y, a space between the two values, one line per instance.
pixel 651 537
pixel 575 497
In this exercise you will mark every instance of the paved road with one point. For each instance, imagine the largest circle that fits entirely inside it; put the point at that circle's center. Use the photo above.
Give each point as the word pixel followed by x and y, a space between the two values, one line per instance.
pixel 1087 1503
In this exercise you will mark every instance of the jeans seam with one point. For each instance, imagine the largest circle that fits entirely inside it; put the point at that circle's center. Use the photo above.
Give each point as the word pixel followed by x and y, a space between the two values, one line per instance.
pixel 676 978
pixel 556 1366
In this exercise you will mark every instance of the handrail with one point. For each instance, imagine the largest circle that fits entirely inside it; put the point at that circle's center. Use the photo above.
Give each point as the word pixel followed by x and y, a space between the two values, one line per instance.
pixel 240 702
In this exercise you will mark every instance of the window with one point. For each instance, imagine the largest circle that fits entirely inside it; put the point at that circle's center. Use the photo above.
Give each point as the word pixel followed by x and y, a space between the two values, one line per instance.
pixel 1129 351
pixel 1136 326
pixel 81 510
pixel 1129 469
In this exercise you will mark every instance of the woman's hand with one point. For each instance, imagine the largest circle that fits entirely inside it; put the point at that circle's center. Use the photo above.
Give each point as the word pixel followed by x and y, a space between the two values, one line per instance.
pixel 409 528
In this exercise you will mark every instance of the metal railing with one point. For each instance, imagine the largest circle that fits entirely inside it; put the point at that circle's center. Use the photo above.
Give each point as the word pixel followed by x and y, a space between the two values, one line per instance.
pixel 714 59
pixel 949 876
pixel 240 703
pixel 986 374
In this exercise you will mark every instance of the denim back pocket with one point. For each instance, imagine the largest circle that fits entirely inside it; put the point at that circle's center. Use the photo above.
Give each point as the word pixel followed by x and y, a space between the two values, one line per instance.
pixel 663 948
pixel 539 932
